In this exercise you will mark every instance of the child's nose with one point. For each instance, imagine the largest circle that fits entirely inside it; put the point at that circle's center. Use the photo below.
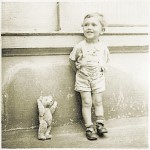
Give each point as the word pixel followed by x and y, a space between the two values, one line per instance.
pixel 90 27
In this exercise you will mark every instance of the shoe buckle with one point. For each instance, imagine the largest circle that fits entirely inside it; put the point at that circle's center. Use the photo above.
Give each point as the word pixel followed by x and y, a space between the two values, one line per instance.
pixel 89 129
pixel 99 125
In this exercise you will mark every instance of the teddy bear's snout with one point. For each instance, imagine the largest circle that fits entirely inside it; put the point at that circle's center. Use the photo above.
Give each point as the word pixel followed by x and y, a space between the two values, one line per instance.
pixel 49 103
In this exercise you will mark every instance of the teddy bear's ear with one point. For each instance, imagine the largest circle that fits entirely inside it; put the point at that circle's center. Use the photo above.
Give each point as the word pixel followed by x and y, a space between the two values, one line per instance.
pixel 50 97
pixel 40 107
pixel 41 97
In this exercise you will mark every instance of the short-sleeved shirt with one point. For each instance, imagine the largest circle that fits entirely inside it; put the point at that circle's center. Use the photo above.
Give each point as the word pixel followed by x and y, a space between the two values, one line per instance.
pixel 91 57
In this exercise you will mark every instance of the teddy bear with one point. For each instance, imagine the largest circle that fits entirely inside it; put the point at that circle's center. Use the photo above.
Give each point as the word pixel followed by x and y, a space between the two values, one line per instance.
pixel 46 107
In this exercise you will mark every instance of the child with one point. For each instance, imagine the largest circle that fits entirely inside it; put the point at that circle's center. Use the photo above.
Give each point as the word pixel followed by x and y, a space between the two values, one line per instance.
pixel 88 59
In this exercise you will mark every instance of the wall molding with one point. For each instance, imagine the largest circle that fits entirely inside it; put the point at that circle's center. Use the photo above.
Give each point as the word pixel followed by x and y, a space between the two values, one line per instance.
pixel 10 52
pixel 64 33
pixel 120 39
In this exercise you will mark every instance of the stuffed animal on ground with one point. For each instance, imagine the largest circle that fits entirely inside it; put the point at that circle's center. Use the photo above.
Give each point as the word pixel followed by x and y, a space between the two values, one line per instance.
pixel 46 107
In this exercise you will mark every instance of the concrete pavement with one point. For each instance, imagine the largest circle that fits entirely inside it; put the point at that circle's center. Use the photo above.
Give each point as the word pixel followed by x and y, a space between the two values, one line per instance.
pixel 123 133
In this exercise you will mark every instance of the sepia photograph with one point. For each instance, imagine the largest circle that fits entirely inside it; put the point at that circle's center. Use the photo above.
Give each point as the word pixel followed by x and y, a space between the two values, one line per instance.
pixel 74 74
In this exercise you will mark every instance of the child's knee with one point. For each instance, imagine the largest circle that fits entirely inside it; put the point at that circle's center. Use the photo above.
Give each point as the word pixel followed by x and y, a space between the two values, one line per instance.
pixel 86 103
pixel 98 102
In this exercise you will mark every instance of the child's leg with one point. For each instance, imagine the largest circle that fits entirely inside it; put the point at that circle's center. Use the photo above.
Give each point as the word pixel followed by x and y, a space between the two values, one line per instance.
pixel 86 112
pixel 86 107
pixel 99 112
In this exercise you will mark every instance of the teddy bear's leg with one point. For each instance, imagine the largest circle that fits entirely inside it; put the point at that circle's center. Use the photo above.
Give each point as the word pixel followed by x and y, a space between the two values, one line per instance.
pixel 48 135
pixel 42 130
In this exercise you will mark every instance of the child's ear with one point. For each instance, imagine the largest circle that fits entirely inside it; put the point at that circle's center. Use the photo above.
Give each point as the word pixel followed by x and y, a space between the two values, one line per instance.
pixel 103 30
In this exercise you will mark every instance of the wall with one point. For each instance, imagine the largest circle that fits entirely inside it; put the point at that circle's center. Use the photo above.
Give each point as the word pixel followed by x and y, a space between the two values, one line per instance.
pixel 116 12
pixel 29 17
pixel 43 16
pixel 26 78
pixel 35 60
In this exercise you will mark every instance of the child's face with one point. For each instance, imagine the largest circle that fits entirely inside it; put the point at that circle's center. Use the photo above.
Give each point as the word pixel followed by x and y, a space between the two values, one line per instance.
pixel 92 28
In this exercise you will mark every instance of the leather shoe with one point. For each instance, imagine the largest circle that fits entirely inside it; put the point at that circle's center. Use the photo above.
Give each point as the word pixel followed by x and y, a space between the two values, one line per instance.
pixel 100 129
pixel 90 134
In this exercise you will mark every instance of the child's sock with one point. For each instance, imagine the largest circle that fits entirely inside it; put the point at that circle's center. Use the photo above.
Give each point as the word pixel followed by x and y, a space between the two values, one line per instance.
pixel 89 125
pixel 99 119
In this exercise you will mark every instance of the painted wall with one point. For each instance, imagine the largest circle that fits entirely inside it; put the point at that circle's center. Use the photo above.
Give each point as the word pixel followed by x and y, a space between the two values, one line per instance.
pixel 29 17
pixel 30 29
pixel 26 78
pixel 116 12
pixel 42 16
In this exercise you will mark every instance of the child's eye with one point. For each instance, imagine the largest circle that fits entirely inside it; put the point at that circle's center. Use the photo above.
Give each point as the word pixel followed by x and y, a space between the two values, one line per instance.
pixel 85 25
pixel 94 24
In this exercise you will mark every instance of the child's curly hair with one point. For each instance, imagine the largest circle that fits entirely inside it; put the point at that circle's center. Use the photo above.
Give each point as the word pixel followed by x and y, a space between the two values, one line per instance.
pixel 100 18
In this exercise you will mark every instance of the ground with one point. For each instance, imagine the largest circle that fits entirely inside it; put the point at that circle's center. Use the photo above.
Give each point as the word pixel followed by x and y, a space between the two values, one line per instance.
pixel 123 133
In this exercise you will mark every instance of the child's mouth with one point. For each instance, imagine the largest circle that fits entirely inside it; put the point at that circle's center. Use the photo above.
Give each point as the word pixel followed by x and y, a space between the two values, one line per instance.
pixel 89 32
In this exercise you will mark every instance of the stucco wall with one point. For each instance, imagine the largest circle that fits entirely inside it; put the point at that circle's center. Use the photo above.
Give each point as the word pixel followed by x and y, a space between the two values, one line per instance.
pixel 30 29
pixel 26 78
pixel 43 17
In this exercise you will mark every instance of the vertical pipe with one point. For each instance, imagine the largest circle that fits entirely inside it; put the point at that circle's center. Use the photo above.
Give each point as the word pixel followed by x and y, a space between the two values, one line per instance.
pixel 58 18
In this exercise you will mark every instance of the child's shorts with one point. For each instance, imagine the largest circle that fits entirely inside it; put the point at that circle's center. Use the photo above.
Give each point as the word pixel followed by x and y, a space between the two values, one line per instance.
pixel 87 84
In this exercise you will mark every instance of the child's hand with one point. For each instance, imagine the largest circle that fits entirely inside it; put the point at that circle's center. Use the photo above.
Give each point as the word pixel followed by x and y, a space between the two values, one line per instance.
pixel 78 65
pixel 103 68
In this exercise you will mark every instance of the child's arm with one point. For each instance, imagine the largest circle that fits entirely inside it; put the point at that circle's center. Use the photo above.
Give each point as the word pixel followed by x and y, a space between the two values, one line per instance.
pixel 107 59
pixel 73 65
pixel 73 58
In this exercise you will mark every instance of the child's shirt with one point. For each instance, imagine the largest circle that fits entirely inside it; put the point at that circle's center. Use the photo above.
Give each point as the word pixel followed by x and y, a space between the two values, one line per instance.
pixel 90 58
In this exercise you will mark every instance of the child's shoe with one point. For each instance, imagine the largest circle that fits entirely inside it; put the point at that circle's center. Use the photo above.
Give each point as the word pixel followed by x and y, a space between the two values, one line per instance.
pixel 100 128
pixel 90 133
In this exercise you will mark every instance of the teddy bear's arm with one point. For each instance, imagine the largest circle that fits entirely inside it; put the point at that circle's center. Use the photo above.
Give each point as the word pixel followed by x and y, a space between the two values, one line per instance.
pixel 53 107
pixel 41 108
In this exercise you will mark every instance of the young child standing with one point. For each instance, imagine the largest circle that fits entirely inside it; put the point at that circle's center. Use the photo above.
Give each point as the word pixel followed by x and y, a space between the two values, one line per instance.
pixel 88 59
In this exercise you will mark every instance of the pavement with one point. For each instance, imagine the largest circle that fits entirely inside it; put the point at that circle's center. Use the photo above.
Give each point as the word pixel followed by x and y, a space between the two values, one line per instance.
pixel 122 133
